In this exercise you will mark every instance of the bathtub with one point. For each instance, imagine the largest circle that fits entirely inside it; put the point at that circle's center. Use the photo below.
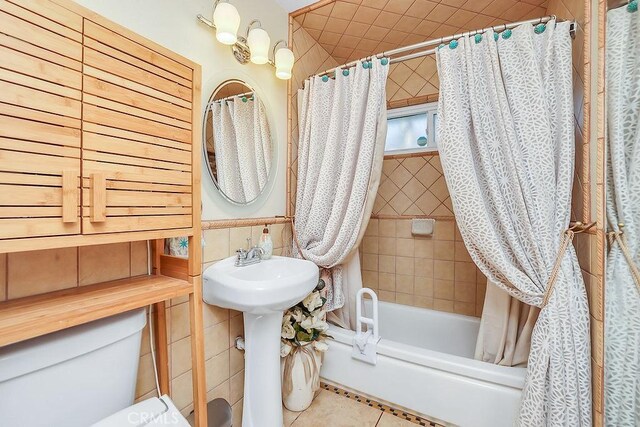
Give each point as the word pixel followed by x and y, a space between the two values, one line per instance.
pixel 425 365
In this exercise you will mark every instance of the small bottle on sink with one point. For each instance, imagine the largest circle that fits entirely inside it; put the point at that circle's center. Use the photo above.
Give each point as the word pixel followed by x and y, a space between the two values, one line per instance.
pixel 266 243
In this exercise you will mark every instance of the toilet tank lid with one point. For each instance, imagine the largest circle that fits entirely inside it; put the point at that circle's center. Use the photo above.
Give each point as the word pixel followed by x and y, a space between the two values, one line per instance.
pixel 38 353
pixel 150 412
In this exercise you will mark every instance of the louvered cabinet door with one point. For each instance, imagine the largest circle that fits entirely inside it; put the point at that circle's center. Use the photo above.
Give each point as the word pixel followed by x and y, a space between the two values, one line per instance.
pixel 137 136
pixel 40 120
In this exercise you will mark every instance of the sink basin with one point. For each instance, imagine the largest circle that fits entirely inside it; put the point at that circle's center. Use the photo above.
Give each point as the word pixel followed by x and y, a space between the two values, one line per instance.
pixel 262 292
pixel 271 285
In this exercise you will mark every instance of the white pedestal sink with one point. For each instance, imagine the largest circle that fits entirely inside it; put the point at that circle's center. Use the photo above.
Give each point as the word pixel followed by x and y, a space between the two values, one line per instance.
pixel 262 292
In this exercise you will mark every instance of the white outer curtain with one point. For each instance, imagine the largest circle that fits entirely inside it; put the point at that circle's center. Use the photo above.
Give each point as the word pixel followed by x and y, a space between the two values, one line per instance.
pixel 242 144
pixel 622 293
pixel 507 148
pixel 343 128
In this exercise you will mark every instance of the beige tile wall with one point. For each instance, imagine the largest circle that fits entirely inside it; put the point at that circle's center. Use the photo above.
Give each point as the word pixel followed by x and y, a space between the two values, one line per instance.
pixel 431 272
pixel 30 273
pixel 413 186
pixel 413 82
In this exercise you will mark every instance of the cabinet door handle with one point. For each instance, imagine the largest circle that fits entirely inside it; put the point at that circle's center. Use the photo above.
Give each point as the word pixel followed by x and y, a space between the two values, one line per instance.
pixel 70 192
pixel 98 196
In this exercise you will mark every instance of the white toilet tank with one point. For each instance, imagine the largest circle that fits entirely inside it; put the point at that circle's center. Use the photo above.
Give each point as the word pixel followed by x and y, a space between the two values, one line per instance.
pixel 73 377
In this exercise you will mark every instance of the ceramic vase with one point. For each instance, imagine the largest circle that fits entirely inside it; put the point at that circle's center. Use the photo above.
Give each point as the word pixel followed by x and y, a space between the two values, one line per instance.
pixel 300 377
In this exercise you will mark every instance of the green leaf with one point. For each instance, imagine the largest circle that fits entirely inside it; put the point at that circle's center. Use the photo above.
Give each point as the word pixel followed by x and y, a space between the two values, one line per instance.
pixel 303 336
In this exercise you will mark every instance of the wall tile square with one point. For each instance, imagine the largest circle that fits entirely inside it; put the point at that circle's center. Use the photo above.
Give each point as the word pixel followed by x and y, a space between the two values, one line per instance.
pixel 370 262
pixel 465 271
pixel 103 263
pixel 405 247
pixel 387 245
pixel 387 296
pixel 372 228
pixel 403 229
pixel 181 356
pixel 423 247
pixel 216 244
pixel 468 309
pixel 443 289
pixel 444 230
pixel 236 328
pixel 139 263
pixel 387 228
pixel 217 370
pixel 423 302
pixel 405 265
pixel 406 299
pixel 182 390
pixel 423 286
pixel 443 250
pixel 370 244
pixel 443 305
pixel 387 264
pixel 404 283
pixel 179 323
pixel 216 339
pixel 370 279
pixel 387 282
pixel 56 269
pixel 443 270
pixel 465 292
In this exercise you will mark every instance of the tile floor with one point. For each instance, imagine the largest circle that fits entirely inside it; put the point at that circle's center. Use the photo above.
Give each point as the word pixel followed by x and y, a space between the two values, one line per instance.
pixel 335 409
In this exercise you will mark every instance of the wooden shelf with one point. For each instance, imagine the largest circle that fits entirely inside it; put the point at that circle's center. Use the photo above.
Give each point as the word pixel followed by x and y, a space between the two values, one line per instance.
pixel 31 317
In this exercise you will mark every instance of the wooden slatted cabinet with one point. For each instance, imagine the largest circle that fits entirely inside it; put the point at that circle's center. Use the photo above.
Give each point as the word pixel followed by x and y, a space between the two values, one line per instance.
pixel 85 106
pixel 40 120
pixel 136 136
pixel 98 145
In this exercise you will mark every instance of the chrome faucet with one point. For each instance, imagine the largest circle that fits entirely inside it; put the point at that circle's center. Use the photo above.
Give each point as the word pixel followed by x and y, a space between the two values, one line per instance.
pixel 252 256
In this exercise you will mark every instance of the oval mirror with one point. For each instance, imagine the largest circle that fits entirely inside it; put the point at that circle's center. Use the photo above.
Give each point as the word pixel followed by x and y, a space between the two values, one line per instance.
pixel 237 142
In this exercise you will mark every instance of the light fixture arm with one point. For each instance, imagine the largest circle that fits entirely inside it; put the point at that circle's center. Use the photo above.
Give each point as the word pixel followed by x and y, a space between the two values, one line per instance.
pixel 206 21
pixel 249 27
pixel 209 22
pixel 275 49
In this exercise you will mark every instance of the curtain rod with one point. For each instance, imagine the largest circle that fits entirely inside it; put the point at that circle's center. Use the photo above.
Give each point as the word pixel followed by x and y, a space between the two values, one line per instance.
pixel 436 42
pixel 240 95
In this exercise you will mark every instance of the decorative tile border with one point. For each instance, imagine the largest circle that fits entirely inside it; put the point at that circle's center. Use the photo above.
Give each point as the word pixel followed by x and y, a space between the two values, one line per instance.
pixel 245 222
pixel 400 413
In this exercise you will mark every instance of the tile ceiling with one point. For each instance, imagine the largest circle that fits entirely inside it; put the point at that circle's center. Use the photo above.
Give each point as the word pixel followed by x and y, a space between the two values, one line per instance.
pixel 353 29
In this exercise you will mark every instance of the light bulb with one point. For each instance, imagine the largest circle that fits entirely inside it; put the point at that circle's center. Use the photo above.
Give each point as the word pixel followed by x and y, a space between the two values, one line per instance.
pixel 227 20
pixel 258 42
pixel 284 63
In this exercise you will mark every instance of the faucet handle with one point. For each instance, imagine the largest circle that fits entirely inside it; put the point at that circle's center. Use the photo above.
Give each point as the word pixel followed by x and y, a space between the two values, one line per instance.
pixel 241 253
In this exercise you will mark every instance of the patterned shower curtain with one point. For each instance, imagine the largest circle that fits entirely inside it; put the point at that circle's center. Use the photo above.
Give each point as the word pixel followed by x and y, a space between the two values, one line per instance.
pixel 622 290
pixel 507 149
pixel 243 148
pixel 343 128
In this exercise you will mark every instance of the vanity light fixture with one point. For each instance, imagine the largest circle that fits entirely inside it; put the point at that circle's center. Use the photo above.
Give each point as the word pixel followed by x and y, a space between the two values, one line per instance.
pixel 227 21
pixel 283 59
pixel 258 41
pixel 254 46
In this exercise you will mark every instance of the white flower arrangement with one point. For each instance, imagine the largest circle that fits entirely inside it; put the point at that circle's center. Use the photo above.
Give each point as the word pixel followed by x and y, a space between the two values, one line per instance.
pixel 304 323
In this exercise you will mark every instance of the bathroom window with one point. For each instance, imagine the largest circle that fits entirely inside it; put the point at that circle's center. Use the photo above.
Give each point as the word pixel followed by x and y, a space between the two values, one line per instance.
pixel 412 129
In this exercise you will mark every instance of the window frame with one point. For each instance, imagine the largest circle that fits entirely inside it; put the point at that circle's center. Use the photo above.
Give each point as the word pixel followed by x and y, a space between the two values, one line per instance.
pixel 431 110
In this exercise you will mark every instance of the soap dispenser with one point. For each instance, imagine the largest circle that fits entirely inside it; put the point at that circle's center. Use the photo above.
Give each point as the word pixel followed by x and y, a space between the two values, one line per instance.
pixel 266 243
